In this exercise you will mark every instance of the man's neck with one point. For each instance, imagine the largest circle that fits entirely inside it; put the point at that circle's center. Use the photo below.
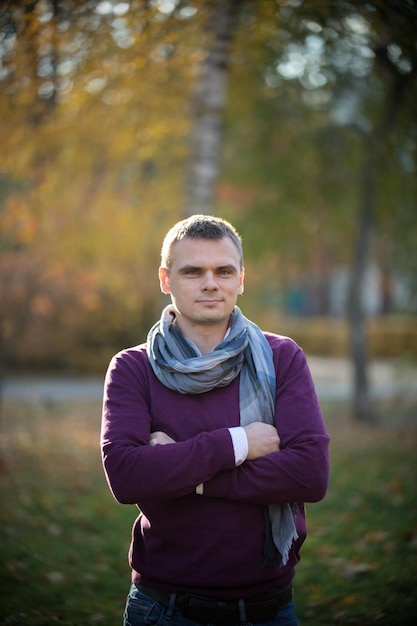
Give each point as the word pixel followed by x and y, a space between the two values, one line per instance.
pixel 206 338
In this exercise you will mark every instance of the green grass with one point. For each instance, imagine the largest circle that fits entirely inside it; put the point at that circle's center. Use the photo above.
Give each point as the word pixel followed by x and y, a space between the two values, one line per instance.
pixel 359 563
pixel 64 539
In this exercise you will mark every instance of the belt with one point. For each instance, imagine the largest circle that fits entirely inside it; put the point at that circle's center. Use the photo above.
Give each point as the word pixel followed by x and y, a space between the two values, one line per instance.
pixel 221 611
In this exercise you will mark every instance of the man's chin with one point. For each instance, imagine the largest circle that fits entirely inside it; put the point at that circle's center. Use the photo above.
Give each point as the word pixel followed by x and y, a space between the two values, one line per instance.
pixel 213 318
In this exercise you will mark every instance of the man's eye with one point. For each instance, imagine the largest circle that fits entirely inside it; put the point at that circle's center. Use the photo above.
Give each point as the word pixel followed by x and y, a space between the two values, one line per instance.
pixel 191 272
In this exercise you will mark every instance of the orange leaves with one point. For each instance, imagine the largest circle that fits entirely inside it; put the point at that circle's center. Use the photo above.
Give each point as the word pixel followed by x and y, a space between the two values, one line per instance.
pixel 18 225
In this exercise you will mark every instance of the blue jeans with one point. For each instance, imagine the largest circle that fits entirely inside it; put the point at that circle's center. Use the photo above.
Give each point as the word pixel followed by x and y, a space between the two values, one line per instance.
pixel 144 611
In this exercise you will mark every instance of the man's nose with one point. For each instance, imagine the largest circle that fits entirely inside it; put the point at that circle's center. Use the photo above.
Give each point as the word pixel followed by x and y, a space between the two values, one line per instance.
pixel 210 282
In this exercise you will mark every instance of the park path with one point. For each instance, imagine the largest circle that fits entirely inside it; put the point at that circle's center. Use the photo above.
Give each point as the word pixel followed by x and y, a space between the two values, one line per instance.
pixel 332 378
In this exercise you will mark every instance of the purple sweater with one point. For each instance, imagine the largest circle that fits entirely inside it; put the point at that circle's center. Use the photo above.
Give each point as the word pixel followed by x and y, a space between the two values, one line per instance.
pixel 209 544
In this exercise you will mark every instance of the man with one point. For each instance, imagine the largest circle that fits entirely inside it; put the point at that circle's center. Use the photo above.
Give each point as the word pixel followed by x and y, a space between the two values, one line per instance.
pixel 213 429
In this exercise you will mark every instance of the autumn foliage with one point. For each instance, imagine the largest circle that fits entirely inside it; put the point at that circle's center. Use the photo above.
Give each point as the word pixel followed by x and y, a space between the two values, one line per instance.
pixel 96 110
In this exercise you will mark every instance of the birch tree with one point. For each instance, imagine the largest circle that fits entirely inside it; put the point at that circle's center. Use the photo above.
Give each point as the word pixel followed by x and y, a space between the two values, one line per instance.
pixel 209 102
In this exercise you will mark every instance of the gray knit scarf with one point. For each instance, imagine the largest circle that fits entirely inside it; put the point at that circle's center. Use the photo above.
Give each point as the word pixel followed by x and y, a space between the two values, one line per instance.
pixel 179 365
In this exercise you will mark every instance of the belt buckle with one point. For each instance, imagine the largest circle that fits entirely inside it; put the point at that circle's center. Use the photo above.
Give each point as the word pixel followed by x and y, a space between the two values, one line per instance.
pixel 210 610
pixel 262 611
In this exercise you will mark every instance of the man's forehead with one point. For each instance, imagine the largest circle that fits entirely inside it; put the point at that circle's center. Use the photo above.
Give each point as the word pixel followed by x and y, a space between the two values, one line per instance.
pixel 199 251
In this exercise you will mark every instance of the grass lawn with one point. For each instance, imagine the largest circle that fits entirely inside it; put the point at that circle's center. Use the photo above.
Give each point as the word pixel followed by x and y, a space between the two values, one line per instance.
pixel 64 539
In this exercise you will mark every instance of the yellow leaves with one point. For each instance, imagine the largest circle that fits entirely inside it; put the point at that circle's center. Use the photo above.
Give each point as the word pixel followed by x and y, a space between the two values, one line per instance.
pixel 349 600
pixel 97 174
pixel 17 223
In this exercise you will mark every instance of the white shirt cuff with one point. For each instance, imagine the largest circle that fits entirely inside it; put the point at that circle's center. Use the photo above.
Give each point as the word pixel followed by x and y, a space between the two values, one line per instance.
pixel 240 448
pixel 240 444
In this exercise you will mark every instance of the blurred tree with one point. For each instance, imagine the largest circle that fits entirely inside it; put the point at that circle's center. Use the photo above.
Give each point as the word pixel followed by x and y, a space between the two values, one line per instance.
pixel 209 102
pixel 394 29
pixel 102 101
pixel 92 162
pixel 322 117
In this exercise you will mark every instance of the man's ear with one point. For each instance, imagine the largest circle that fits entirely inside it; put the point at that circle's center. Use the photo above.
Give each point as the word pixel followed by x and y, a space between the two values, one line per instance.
pixel 241 286
pixel 164 280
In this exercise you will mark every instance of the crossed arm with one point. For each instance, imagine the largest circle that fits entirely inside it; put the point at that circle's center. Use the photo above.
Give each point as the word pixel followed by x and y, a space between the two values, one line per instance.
pixel 262 439
pixel 291 466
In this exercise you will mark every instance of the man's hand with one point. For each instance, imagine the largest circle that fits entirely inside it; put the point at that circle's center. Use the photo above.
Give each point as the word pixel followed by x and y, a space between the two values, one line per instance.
pixel 262 440
pixel 159 437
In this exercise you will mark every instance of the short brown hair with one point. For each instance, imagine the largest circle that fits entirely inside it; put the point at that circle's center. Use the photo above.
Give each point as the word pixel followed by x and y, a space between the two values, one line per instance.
pixel 199 227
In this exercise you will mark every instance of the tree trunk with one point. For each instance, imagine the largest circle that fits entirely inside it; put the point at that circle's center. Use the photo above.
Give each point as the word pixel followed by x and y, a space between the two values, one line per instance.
pixel 208 107
pixel 395 85
pixel 362 404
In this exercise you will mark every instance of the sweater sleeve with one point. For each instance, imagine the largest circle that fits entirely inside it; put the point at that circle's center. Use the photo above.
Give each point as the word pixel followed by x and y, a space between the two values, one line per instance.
pixel 136 471
pixel 299 472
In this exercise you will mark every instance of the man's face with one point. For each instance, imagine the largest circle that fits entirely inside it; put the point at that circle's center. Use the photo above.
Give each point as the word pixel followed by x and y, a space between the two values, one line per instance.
pixel 204 281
